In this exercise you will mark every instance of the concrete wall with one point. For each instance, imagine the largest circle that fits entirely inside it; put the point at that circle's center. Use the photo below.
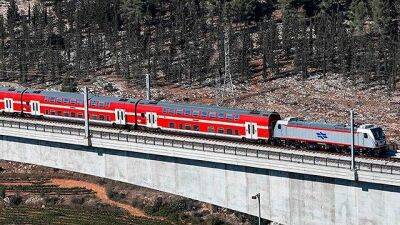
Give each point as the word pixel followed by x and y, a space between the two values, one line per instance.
pixel 288 198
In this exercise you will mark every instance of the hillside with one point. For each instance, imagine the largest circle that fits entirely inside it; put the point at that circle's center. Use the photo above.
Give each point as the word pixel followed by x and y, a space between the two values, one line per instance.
pixel 312 59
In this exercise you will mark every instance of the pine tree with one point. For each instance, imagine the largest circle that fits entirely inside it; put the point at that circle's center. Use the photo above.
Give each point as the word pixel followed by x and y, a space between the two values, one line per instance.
pixel 358 14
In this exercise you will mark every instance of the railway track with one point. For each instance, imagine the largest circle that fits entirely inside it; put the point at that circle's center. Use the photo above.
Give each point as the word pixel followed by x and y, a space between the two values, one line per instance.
pixel 387 161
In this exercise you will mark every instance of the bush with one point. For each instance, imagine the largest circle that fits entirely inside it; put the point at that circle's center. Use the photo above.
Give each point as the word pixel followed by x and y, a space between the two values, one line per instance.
pixel 114 195
pixel 51 200
pixel 15 200
pixel 137 203
pixel 212 220
pixel 2 192
pixel 78 200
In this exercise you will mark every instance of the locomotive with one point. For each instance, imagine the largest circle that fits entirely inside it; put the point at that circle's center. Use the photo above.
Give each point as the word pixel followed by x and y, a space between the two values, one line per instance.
pixel 190 119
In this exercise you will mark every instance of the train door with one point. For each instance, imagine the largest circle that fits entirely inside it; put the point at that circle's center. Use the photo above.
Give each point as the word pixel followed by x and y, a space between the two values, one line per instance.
pixel 8 105
pixel 151 120
pixel 35 108
pixel 120 118
pixel 251 130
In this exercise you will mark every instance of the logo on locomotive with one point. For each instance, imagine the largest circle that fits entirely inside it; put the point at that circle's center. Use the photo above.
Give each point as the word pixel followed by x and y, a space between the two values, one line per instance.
pixel 321 135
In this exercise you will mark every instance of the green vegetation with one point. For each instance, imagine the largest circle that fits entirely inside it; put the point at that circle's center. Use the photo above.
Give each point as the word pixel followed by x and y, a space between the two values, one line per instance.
pixel 2 192
pixel 65 41
pixel 64 215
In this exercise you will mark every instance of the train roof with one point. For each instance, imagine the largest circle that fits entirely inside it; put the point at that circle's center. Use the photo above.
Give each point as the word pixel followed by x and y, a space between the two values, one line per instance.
pixel 213 108
pixel 299 122
pixel 107 99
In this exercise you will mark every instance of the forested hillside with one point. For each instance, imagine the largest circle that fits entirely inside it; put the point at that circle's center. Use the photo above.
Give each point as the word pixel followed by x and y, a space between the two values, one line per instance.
pixel 200 41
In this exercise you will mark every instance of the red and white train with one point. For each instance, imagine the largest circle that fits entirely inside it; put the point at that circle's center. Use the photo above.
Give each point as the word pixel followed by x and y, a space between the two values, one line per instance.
pixel 186 119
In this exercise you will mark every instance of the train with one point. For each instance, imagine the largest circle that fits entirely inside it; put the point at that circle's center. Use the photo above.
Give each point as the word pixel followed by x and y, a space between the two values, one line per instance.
pixel 192 119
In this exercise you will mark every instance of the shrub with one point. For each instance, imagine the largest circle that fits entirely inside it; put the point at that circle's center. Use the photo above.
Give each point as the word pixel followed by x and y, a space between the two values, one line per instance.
pixel 15 199
pixel 2 191
pixel 78 200
pixel 114 195
pixel 212 220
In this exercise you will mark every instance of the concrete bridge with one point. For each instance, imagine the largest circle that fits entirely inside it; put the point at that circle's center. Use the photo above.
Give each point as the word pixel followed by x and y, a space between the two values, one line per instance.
pixel 295 189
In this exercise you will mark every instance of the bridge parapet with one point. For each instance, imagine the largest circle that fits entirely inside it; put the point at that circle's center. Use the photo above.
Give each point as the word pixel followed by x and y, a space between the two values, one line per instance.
pixel 265 159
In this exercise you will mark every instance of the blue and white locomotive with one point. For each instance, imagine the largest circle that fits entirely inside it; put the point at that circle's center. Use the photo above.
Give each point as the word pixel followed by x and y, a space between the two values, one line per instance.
pixel 368 138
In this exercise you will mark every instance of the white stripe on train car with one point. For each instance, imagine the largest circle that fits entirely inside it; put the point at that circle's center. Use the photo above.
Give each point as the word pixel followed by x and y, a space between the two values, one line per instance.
pixel 76 119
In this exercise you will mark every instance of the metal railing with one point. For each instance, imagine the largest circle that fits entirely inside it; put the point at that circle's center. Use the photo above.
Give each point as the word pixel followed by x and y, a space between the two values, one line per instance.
pixel 196 146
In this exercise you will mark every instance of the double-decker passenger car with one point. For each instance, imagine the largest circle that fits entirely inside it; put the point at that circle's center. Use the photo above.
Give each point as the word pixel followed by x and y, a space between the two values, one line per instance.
pixel 183 118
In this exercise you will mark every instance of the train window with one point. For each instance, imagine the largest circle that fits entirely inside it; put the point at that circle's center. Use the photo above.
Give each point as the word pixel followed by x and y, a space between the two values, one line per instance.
pixel 93 103
pixel 204 114
pixel 66 100
pixel 165 110
pixel 196 127
pixel 229 116
pixel 101 117
pixel 171 125
pixel 108 118
pixel 52 99
pixel 279 126
pixel 229 131
pixel 171 110
pixel 180 126
pixel 221 130
pixel 142 114
pixel 213 114
pixel 196 112
pixel 236 132
pixel 47 112
pixel 221 115
pixel 179 111
pixel 80 115
pixel 73 114
pixel 66 114
pixel 187 112
pixel 94 117
pixel 73 101
pixel 52 112
pixel 210 129
pixel 188 127
pixel 58 113
pixel 101 104
pixel 365 135
pixel 59 100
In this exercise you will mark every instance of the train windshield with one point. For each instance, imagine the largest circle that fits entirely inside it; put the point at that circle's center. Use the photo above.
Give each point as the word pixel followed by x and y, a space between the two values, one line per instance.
pixel 378 133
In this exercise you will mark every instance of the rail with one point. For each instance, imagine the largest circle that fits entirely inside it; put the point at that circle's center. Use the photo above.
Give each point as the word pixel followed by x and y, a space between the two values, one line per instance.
pixel 247 152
